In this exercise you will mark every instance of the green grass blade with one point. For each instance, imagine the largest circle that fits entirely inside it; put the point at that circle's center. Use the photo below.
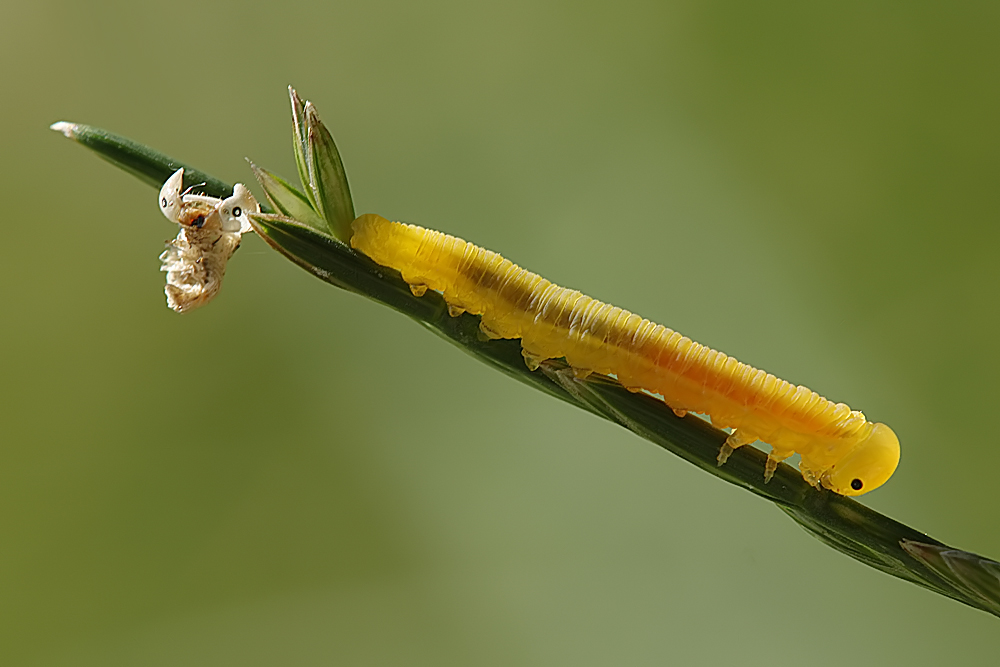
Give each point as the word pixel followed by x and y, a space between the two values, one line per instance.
pixel 981 576
pixel 286 200
pixel 149 166
pixel 328 180
pixel 300 144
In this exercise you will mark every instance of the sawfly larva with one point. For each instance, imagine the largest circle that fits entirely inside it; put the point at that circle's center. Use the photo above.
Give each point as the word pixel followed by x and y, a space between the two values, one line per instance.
pixel 195 261
pixel 839 448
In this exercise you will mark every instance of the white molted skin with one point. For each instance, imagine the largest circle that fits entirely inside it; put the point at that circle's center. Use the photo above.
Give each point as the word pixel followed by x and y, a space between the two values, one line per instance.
pixel 210 232
pixel 170 196
pixel 233 210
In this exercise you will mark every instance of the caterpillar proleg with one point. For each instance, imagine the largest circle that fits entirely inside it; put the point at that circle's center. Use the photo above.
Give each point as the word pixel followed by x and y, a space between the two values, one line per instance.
pixel 839 448
pixel 210 230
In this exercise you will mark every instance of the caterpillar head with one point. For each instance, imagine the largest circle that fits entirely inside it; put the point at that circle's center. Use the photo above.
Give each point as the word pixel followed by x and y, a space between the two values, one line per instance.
pixel 868 466
pixel 234 209
pixel 170 196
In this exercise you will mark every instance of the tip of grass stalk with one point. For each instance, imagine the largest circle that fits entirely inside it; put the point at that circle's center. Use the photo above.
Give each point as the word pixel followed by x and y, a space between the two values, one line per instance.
pixel 68 129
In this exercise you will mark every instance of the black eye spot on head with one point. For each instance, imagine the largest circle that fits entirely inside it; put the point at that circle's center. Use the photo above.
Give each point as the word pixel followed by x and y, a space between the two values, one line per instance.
pixel 163 202
pixel 198 222
pixel 857 484
pixel 237 211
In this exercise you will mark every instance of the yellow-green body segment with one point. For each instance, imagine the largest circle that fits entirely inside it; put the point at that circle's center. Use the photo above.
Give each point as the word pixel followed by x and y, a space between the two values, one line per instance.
pixel 839 448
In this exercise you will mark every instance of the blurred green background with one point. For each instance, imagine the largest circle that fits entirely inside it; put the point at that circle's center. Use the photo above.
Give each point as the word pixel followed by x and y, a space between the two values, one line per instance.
pixel 298 476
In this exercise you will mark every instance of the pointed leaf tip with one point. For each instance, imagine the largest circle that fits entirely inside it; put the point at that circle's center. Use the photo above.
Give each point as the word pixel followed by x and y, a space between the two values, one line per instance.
pixel 67 129
pixel 300 143
pixel 287 200
pixel 977 576
pixel 331 193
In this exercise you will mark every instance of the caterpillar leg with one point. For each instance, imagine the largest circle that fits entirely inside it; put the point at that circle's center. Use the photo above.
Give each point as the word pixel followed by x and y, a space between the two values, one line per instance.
pixel 488 333
pixel 811 476
pixel 532 360
pixel 418 290
pixel 773 459
pixel 736 439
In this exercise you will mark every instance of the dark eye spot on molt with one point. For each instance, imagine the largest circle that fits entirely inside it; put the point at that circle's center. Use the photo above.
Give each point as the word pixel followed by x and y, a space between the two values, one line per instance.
pixel 163 202
pixel 237 211
pixel 198 222
pixel 857 484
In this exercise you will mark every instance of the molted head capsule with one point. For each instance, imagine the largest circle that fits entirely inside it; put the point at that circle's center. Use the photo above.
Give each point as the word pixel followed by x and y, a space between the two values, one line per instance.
pixel 868 466
pixel 233 210
pixel 170 196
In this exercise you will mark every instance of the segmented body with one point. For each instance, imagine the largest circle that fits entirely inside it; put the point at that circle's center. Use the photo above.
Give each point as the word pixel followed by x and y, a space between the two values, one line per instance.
pixel 195 263
pixel 553 322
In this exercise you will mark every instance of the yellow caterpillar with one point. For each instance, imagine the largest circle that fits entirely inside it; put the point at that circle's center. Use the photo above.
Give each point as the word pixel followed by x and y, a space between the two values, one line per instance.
pixel 840 449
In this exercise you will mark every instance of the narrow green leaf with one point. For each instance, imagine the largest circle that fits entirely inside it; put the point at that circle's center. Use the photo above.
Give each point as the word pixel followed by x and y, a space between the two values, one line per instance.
pixel 149 166
pixel 328 180
pixel 300 144
pixel 979 576
pixel 288 201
